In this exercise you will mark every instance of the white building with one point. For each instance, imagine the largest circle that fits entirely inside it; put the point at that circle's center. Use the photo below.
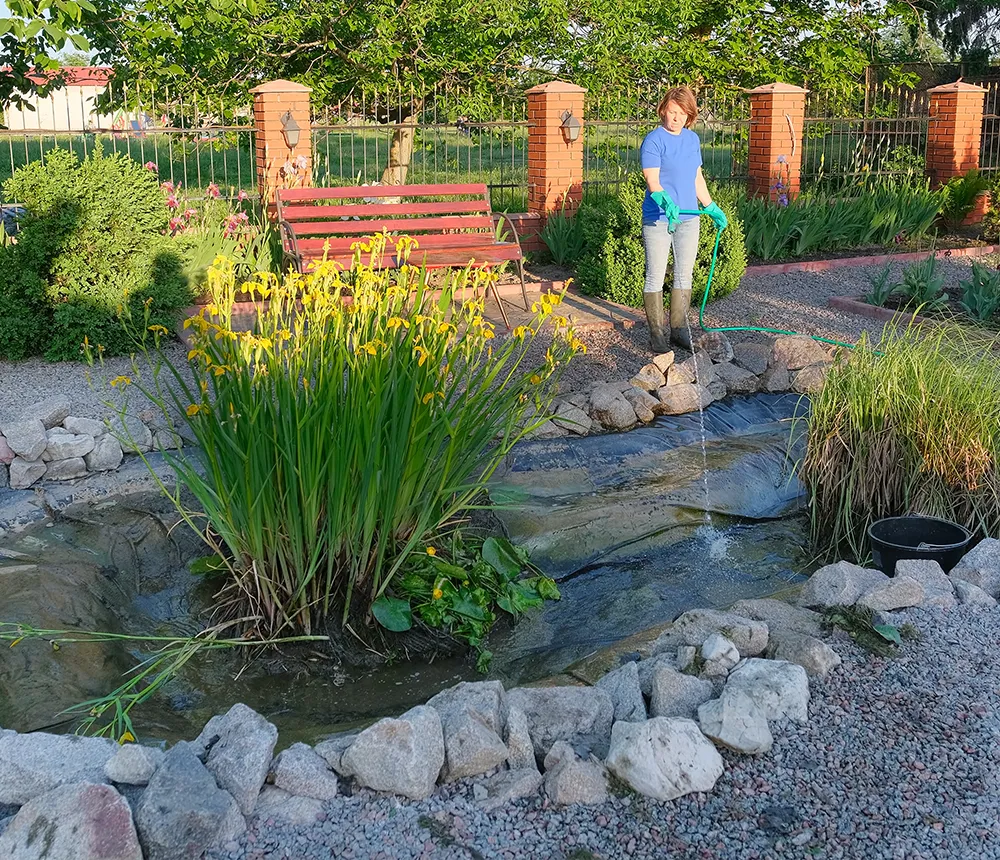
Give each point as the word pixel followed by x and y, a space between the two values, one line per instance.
pixel 70 108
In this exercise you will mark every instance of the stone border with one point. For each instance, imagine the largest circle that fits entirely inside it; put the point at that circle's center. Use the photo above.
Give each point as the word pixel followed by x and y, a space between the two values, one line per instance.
pixel 858 307
pixel 871 260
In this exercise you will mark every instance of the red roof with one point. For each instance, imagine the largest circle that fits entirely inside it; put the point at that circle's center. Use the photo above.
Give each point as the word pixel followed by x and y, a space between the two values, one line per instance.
pixel 75 76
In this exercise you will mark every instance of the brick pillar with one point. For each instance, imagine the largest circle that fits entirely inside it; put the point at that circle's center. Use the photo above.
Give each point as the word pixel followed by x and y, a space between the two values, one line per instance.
pixel 279 166
pixel 777 114
pixel 555 165
pixel 955 130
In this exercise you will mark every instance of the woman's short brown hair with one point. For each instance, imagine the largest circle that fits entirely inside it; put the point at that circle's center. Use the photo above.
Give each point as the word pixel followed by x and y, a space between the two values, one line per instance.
pixel 685 100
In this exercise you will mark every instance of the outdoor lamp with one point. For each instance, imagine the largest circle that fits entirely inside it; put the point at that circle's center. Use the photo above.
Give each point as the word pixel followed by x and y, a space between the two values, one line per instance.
pixel 570 126
pixel 290 129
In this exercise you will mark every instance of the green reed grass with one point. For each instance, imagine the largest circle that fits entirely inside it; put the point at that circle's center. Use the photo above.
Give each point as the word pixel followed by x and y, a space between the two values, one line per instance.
pixel 908 425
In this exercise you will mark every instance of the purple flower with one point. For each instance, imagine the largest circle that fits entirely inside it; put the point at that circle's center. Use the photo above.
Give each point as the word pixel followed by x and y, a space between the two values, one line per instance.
pixel 301 163
pixel 782 200
pixel 151 165
pixel 782 159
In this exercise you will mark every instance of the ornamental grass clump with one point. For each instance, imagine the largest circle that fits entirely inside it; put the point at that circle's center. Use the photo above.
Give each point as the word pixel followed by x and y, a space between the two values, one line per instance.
pixel 908 426
pixel 356 423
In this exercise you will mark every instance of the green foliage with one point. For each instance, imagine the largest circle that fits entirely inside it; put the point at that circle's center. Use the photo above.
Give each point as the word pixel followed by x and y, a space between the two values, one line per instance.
pixel 613 262
pixel 991 221
pixel 981 293
pixel 923 286
pixel 876 213
pixel 91 249
pixel 859 623
pixel 908 425
pixel 881 287
pixel 563 236
pixel 960 194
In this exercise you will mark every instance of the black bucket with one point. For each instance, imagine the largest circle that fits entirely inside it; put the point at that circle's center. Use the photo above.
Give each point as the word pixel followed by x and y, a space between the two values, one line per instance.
pixel 917 537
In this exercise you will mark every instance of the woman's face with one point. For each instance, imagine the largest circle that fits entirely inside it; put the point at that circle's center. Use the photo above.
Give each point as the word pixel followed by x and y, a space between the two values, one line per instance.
pixel 675 118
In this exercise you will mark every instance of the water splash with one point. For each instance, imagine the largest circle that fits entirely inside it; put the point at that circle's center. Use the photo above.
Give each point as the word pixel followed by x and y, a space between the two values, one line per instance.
pixel 701 423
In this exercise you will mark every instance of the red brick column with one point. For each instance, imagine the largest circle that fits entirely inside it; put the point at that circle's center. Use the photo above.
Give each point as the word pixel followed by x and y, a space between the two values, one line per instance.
pixel 777 114
pixel 955 130
pixel 555 165
pixel 279 166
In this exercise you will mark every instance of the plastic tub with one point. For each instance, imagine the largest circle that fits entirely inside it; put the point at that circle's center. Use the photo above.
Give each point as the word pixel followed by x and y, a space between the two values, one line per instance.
pixel 917 537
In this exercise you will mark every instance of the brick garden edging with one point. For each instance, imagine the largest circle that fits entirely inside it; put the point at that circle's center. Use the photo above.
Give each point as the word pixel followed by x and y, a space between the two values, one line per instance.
pixel 869 260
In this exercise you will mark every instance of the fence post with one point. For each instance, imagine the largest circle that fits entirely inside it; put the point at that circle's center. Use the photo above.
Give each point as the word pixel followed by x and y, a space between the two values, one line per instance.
pixel 777 115
pixel 555 162
pixel 278 164
pixel 954 135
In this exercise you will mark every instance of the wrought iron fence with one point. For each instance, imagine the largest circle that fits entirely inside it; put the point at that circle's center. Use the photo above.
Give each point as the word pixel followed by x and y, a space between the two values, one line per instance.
pixel 989 152
pixel 192 143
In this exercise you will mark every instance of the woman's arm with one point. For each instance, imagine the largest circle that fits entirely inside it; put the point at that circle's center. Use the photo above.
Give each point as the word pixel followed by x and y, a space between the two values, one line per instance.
pixel 701 189
pixel 652 175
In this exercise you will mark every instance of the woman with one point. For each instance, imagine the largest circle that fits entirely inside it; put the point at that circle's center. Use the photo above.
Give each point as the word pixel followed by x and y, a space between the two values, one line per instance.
pixel 671 162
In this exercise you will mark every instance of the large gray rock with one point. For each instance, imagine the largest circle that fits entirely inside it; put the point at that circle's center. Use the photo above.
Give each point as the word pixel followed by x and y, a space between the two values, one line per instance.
pixel 403 756
pixel 486 699
pixel 696 625
pixel 753 357
pixel 679 374
pixel 182 812
pixel 716 345
pixel 85 426
pixel 79 821
pixel 794 352
pixel 839 584
pixel 573 418
pixel 649 378
pixel 300 771
pixel 134 436
pixel 674 694
pixel 700 367
pixel 510 785
pixel 520 749
pixel 735 721
pixel 50 411
pixel 647 668
pixel 644 404
pixel 27 439
pixel 812 654
pixel 280 805
pixel 663 361
pixel 472 720
pixel 332 750
pixel 900 592
pixel 776 378
pixel 569 779
pixel 106 456
pixel 133 764
pixel 682 397
pixel 65 470
pixel 736 379
pixel 622 685
pixel 938 590
pixel 719 655
pixel 778 615
pixel 609 407
pixel 67 446
pixel 32 764
pixel 571 714
pixel 23 473
pixel 240 746
pixel 779 689
pixel 967 594
pixel 810 379
pixel 7 454
pixel 981 566
pixel 664 758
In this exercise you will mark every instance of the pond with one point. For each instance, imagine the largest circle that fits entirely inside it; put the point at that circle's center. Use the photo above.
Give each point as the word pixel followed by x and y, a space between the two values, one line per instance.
pixel 627 523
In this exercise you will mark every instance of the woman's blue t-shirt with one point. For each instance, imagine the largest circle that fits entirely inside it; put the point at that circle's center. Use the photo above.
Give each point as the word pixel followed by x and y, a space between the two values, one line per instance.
pixel 678 156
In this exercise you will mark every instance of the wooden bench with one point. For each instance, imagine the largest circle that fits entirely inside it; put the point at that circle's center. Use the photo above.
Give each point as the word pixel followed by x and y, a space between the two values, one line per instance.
pixel 452 228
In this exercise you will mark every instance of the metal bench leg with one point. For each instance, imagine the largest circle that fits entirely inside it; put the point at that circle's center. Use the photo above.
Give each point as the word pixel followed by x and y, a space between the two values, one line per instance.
pixel 499 301
pixel 524 292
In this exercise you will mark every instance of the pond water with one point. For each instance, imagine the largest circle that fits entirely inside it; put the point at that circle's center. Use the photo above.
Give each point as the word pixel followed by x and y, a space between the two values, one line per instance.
pixel 622 521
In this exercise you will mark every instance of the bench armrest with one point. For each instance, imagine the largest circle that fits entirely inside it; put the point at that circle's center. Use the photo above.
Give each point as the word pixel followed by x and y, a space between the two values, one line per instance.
pixel 290 244
pixel 501 216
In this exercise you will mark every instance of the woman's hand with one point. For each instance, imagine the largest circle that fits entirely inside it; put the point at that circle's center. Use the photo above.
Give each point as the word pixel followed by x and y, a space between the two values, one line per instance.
pixel 717 215
pixel 670 209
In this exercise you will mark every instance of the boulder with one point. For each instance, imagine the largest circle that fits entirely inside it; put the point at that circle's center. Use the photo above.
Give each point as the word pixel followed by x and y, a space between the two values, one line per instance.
pixel 839 584
pixel 134 436
pixel 812 654
pixel 472 721
pixel 571 714
pixel 687 659
pixel 938 590
pixel 967 594
pixel 26 438
pixel 85 426
pixel 332 750
pixel 510 785
pixel 794 352
pixel 981 566
pixel 573 418
pixel 485 699
pixel 674 694
pixel 23 473
pixel 700 367
pixel 299 770
pixel 403 756
pixel 735 721
pixel 133 764
pixel 51 411
pixel 7 454
pixel 66 446
pixel 810 379
pixel 35 763
pixel 716 389
pixel 696 625
pixel 182 812
pixel 736 379
pixel 664 758
pixel 681 398
pixel 778 688
pixel 716 345
pixel 78 821
pixel 899 592
pixel 775 379
pixel 778 615
pixel 645 406
pixel 166 440
pixel 663 361
pixel 719 656
pixel 609 407
pixel 520 749
pixel 649 378
pixel 645 669
pixel 679 374
pixel 753 357
pixel 106 456
pixel 569 779
pixel 280 805
pixel 622 685
pixel 65 470
pixel 240 746
pixel 546 430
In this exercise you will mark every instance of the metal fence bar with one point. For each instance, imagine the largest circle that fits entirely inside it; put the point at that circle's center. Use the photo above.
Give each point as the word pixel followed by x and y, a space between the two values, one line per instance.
pixel 989 151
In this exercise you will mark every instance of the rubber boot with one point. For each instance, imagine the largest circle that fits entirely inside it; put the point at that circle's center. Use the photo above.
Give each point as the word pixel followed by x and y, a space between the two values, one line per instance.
pixel 653 303
pixel 680 331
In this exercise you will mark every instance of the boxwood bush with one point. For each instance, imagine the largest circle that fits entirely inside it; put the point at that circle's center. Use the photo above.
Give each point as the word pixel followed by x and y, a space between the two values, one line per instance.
pixel 613 264
pixel 92 246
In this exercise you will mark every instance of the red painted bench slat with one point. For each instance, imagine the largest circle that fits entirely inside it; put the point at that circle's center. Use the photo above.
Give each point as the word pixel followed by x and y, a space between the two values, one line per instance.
pixel 402 226
pixel 294 214
pixel 436 258
pixel 432 240
pixel 287 195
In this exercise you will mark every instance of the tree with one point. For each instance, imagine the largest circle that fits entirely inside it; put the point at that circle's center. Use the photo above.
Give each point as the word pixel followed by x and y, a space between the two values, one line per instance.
pixel 969 29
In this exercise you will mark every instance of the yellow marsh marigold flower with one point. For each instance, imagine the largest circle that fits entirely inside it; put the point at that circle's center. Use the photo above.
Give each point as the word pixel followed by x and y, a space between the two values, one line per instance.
pixel 158 329
pixel 438 594
pixel 535 379
pixel 427 398
pixel 394 323
pixel 193 410
pixel 120 380
pixel 521 332
pixel 430 549
pixel 127 738
pixel 421 354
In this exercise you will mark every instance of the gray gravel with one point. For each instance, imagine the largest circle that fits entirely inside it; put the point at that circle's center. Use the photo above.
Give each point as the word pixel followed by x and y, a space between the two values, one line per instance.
pixel 898 760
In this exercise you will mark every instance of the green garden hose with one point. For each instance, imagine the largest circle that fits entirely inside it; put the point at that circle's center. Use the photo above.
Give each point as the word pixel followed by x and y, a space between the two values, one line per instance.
pixel 708 287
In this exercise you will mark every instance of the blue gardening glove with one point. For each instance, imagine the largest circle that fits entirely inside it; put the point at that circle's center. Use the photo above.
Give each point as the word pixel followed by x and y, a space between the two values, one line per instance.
pixel 717 215
pixel 670 209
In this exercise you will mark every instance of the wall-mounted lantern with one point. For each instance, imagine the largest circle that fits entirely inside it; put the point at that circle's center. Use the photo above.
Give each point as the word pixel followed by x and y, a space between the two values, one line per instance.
pixel 290 129
pixel 570 126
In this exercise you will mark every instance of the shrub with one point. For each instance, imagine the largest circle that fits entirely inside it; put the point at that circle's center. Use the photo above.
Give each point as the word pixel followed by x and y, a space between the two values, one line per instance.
pixel 959 196
pixel 92 246
pixel 908 425
pixel 981 293
pixel 923 286
pixel 613 262
pixel 339 439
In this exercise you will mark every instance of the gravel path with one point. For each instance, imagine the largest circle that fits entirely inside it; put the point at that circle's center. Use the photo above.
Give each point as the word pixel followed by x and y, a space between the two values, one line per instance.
pixel 898 760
